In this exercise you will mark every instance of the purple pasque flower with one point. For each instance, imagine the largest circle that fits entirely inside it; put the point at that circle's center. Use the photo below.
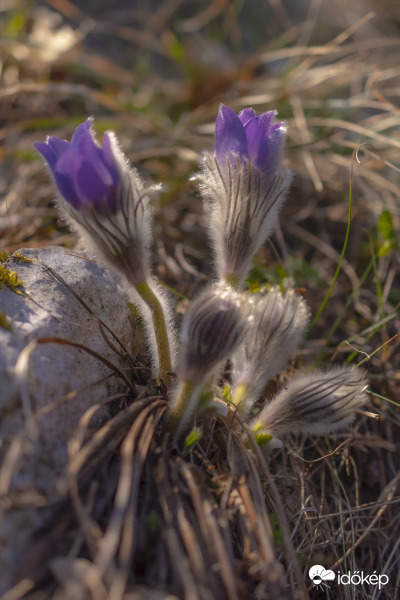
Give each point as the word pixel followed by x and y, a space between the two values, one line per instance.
pixel 245 184
pixel 84 173
pixel 102 198
pixel 254 138
pixel 105 201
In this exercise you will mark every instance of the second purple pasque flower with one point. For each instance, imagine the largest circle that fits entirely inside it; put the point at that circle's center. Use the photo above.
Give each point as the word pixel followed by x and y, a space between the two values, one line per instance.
pixel 105 201
pixel 85 174
pixel 102 198
pixel 245 182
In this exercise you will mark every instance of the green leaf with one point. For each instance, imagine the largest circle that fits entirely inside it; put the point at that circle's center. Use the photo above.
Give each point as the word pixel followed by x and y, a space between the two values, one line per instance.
pixel 385 225
pixel 175 49
pixel 16 23
pixel 386 229
pixel 387 247
pixel 153 522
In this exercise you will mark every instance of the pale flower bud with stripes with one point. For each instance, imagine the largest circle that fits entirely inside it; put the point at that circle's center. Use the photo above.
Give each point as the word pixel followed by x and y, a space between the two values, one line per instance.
pixel 280 321
pixel 213 327
pixel 315 403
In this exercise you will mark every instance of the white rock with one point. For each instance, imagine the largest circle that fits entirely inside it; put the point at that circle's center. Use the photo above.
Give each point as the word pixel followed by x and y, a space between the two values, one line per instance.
pixel 49 309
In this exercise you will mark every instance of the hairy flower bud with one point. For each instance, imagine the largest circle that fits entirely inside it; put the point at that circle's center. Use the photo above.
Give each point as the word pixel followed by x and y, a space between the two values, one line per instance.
pixel 315 403
pixel 214 325
pixel 278 326
pixel 246 185
pixel 102 198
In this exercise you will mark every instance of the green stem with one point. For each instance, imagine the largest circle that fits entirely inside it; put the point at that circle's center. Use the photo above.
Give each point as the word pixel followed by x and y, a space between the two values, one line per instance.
pixel 183 395
pixel 339 266
pixel 160 330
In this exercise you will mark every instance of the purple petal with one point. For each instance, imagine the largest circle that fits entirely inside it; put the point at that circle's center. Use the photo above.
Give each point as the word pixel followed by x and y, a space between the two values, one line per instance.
pixel 47 153
pixel 65 174
pixel 91 185
pixel 58 145
pixel 267 118
pixel 81 132
pixel 271 148
pixel 94 155
pixel 246 115
pixel 229 135
pixel 255 134
pixel 258 132
pixel 110 151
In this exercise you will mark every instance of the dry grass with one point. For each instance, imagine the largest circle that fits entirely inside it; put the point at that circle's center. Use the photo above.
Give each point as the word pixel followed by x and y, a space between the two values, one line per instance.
pixel 137 520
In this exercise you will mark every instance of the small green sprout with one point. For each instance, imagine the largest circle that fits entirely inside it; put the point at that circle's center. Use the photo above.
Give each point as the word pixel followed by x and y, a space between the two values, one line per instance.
pixel 263 439
pixel 227 393
pixel 193 438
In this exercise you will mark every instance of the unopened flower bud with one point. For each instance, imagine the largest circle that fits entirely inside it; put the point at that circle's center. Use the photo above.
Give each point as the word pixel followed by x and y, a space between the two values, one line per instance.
pixel 214 325
pixel 316 403
pixel 278 326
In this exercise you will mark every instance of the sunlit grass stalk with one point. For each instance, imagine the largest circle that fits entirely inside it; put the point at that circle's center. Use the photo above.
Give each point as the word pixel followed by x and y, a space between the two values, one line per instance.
pixel 348 302
pixel 368 357
pixel 340 507
pixel 376 395
pixel 325 301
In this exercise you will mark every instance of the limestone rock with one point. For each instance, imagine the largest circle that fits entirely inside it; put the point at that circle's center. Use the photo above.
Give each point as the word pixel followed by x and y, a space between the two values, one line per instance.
pixel 58 382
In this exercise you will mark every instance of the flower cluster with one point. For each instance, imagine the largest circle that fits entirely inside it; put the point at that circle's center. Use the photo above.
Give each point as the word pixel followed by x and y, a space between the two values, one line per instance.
pixel 244 183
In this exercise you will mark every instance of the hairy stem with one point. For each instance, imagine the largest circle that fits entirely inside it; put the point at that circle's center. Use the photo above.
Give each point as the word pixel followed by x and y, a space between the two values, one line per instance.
pixel 160 330
pixel 180 409
pixel 232 280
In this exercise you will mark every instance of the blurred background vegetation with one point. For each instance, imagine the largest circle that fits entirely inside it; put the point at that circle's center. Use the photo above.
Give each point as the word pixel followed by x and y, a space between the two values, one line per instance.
pixel 157 74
